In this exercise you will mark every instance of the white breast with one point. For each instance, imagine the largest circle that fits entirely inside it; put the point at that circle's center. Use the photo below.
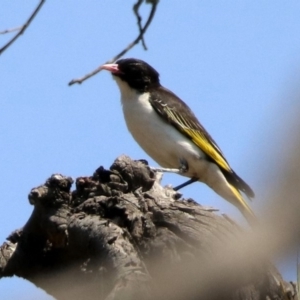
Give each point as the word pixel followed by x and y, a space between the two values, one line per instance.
pixel 164 143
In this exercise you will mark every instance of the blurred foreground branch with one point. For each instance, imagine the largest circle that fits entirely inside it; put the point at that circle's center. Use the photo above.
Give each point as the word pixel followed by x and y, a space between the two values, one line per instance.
pixel 20 29
pixel 121 235
pixel 139 38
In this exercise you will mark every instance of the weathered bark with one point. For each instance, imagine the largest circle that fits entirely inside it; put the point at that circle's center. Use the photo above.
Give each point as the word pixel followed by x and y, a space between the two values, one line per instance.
pixel 120 235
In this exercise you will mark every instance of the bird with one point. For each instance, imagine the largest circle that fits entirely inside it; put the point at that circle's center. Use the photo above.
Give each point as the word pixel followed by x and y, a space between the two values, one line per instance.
pixel 169 132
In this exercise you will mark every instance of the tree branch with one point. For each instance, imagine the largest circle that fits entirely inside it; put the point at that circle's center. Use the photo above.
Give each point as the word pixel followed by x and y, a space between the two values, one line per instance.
pixel 11 30
pixel 21 28
pixel 124 51
pixel 139 20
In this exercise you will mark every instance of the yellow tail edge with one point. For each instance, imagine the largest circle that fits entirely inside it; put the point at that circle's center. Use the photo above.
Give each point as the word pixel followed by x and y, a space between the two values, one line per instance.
pixel 243 206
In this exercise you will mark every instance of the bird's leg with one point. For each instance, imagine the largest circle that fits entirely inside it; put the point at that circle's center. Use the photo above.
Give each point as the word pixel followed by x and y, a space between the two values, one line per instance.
pixel 190 181
pixel 167 170
pixel 183 168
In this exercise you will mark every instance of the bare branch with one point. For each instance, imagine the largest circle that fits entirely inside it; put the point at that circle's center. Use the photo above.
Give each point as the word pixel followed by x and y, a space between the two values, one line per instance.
pixel 139 19
pixel 11 30
pixel 124 51
pixel 22 28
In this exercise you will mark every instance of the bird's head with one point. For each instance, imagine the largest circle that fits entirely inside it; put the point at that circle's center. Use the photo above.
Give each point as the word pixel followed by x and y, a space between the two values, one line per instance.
pixel 136 73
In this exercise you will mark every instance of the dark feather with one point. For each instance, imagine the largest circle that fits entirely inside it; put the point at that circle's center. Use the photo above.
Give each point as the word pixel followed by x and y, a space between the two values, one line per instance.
pixel 176 112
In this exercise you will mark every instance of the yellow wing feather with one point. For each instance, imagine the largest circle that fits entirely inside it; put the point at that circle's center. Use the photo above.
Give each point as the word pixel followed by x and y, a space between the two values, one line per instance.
pixel 200 139
pixel 199 136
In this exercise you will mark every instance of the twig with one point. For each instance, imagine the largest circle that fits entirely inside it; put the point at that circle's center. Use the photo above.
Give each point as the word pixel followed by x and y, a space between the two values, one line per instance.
pixel 124 51
pixel 11 30
pixel 139 19
pixel 23 27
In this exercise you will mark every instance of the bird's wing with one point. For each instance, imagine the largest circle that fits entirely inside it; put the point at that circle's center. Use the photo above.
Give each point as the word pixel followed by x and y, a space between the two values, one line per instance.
pixel 178 114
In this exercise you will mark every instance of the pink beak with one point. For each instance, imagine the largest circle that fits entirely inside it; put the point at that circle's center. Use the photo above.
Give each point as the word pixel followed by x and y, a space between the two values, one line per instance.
pixel 113 68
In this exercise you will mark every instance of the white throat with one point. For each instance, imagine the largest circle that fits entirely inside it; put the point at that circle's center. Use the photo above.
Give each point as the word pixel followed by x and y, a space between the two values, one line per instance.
pixel 128 94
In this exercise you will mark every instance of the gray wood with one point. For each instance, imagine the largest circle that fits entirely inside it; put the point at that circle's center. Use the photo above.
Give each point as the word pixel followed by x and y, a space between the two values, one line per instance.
pixel 121 235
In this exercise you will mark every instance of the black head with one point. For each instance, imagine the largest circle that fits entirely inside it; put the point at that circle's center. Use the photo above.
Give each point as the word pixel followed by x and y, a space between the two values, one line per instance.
pixel 138 74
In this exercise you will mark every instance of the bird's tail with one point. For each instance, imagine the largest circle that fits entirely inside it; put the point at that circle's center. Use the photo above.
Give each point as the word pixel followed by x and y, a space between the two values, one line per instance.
pixel 243 206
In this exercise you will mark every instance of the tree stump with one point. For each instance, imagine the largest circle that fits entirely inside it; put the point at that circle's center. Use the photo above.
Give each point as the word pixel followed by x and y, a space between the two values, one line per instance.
pixel 121 235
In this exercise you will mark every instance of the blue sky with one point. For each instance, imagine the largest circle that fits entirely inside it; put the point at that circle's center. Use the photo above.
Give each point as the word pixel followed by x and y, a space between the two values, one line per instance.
pixel 233 62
